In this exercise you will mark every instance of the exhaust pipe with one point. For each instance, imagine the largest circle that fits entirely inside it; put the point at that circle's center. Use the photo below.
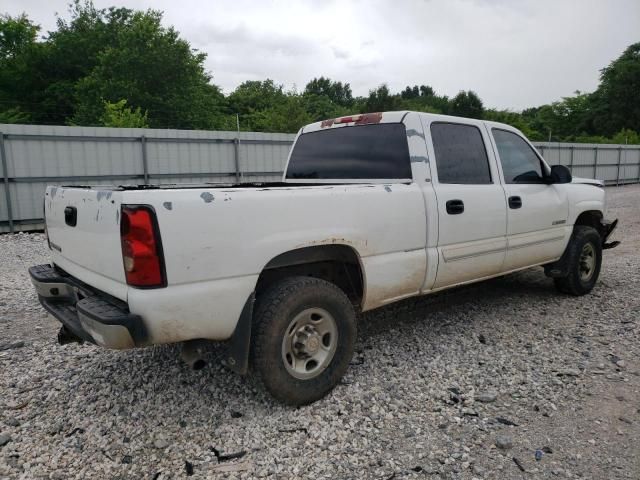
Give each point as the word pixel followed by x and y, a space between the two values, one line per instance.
pixel 193 352
pixel 65 336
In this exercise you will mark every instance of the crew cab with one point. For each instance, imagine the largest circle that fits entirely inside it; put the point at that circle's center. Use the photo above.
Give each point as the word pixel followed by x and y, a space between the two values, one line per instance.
pixel 371 209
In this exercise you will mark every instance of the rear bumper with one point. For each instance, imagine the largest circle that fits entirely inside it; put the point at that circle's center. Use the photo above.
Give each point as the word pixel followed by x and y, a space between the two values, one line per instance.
pixel 88 314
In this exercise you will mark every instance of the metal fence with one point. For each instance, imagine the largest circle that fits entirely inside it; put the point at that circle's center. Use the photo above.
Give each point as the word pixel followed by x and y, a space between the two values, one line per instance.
pixel 33 156
pixel 614 164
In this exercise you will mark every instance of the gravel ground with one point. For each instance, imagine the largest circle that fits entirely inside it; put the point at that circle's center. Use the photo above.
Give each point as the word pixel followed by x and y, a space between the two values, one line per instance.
pixel 466 384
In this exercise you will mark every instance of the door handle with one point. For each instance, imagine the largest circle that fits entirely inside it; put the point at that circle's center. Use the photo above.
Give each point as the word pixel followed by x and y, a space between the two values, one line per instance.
pixel 455 207
pixel 515 202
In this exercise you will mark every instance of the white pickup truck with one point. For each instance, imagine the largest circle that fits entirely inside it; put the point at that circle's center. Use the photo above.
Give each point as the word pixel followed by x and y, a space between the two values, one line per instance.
pixel 372 209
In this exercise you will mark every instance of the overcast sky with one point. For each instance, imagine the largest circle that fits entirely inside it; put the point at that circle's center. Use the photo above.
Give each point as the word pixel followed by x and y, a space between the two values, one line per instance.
pixel 514 54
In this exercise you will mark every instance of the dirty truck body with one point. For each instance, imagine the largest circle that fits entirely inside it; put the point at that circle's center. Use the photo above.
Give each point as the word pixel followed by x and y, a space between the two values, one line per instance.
pixel 371 209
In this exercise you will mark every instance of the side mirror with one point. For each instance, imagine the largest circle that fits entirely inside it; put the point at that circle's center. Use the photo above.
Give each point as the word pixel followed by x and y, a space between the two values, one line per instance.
pixel 560 174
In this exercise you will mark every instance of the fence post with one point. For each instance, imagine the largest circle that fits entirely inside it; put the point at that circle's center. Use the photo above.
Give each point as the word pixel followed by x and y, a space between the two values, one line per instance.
pixel 145 166
pixel 595 161
pixel 236 157
pixel 5 175
pixel 618 170
pixel 571 159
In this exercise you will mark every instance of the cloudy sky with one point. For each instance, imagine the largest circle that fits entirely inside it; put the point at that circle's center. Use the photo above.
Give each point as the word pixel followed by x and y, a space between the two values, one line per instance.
pixel 514 54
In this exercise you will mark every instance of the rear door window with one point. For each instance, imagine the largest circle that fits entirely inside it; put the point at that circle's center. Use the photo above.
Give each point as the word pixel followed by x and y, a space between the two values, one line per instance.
pixel 461 156
pixel 362 152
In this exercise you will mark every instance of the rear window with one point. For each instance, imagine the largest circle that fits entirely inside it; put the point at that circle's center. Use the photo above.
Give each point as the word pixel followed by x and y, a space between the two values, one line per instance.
pixel 461 156
pixel 361 152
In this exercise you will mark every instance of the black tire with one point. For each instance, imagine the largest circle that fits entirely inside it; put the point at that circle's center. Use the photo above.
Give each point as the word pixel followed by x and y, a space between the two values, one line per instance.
pixel 276 308
pixel 575 283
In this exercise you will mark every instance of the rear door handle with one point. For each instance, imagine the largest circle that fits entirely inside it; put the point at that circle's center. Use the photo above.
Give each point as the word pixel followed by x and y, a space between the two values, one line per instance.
pixel 455 207
pixel 515 202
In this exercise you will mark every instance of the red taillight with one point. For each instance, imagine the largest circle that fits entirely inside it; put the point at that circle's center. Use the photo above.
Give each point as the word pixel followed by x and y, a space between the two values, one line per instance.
pixel 141 247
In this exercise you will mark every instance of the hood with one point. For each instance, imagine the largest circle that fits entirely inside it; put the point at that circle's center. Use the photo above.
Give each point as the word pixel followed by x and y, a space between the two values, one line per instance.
pixel 588 181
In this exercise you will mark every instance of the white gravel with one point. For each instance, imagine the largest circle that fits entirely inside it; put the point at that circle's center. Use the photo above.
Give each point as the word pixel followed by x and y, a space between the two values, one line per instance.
pixel 436 384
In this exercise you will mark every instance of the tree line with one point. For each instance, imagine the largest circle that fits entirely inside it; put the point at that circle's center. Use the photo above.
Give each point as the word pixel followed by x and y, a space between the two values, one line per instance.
pixel 119 67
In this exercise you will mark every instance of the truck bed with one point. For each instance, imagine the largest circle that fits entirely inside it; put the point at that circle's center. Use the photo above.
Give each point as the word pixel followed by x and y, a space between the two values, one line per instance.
pixel 218 238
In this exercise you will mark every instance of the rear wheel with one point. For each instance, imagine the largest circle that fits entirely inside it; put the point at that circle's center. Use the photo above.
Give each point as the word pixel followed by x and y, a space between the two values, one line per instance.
pixel 584 259
pixel 303 338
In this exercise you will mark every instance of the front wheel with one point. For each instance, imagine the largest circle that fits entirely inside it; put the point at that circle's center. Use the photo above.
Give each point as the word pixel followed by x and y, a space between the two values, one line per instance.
pixel 303 338
pixel 584 259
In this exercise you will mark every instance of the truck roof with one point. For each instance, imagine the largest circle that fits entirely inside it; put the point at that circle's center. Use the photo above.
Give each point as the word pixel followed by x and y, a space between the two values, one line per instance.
pixel 388 117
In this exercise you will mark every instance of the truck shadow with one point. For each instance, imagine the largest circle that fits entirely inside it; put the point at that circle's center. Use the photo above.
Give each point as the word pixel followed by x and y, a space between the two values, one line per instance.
pixel 490 295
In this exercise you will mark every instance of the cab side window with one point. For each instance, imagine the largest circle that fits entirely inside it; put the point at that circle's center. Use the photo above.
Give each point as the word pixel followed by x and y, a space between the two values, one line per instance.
pixel 520 164
pixel 461 156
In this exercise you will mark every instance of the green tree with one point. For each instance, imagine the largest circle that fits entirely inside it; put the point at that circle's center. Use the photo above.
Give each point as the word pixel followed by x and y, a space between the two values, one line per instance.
pixel 16 35
pixel 512 118
pixel 626 137
pixel 617 99
pixel 254 95
pixel 119 115
pixel 106 54
pixel 14 115
pixel 416 91
pixel 380 99
pixel 287 116
pixel 251 99
pixel 422 99
pixel 467 104
pixel 320 107
pixel 151 67
pixel 337 92
pixel 17 46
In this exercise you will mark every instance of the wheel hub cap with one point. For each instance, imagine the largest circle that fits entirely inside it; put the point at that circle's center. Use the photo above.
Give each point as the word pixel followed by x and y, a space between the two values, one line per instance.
pixel 587 262
pixel 309 343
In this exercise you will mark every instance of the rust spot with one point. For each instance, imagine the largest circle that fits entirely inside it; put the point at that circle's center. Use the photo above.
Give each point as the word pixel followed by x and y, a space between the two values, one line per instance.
pixel 168 205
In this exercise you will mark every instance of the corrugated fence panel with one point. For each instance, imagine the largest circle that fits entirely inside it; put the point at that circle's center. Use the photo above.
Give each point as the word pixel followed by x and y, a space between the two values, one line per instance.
pixel 615 164
pixel 39 155
pixel 630 172
pixel 4 216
